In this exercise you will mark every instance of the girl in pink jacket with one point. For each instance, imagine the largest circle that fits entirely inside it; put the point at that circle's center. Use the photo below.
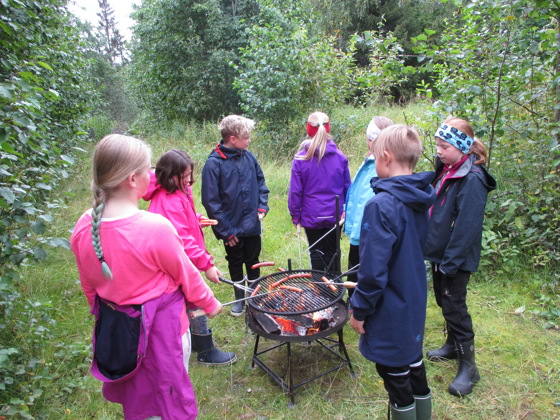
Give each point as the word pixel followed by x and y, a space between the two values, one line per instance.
pixel 170 195
pixel 131 262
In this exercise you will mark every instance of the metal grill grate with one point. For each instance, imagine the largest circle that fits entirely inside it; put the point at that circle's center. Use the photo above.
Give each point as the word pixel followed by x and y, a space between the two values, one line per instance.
pixel 314 296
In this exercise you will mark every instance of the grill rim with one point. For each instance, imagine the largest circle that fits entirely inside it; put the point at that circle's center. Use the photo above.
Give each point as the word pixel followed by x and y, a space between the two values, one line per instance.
pixel 253 302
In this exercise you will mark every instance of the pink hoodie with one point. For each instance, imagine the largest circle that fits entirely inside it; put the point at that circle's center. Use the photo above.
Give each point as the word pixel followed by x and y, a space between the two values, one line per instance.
pixel 146 257
pixel 178 208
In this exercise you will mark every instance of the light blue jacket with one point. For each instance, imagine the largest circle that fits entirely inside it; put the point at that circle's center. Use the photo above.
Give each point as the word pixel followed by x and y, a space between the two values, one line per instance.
pixel 358 195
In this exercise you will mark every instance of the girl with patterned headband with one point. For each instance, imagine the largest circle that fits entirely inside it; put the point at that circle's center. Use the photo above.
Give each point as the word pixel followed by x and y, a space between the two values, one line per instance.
pixel 454 239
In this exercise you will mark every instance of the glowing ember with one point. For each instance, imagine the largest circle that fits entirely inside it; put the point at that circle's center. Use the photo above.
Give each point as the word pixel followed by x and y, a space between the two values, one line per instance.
pixel 320 321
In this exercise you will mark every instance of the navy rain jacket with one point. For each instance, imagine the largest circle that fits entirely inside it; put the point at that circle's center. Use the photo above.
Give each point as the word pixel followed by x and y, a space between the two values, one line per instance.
pixel 455 230
pixel 392 289
pixel 234 192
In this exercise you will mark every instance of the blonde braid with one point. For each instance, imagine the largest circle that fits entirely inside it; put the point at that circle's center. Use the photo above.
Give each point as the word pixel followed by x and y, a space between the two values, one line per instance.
pixel 96 239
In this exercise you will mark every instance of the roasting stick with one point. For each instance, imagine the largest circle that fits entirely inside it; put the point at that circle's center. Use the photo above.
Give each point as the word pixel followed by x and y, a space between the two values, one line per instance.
pixel 321 238
pixel 200 311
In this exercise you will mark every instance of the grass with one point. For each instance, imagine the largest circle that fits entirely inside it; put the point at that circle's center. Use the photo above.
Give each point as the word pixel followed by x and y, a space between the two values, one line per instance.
pixel 519 361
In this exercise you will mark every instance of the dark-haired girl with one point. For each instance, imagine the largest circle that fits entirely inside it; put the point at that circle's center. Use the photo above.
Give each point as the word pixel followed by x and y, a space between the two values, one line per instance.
pixel 170 195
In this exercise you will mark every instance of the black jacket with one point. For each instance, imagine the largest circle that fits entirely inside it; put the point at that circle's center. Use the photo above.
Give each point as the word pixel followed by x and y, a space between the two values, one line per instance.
pixel 455 230
pixel 234 192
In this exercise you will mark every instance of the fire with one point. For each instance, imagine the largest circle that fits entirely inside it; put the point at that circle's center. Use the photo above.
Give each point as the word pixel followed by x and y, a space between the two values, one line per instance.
pixel 288 327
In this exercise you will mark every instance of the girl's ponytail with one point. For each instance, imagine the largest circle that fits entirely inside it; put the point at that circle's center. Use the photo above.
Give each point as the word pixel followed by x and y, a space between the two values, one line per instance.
pixel 319 122
pixel 478 149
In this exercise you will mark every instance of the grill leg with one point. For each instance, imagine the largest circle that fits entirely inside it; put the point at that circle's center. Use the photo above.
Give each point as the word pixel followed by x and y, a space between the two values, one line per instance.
pixel 255 351
pixel 290 376
pixel 342 347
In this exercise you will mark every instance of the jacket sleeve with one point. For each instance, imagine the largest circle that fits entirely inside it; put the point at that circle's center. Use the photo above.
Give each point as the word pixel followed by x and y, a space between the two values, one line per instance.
pixel 212 202
pixel 295 193
pixel 263 189
pixel 177 215
pixel 172 259
pixel 471 201
pixel 376 247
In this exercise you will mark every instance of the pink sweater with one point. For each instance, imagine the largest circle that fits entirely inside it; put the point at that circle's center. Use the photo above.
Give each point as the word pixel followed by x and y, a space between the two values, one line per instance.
pixel 178 208
pixel 146 257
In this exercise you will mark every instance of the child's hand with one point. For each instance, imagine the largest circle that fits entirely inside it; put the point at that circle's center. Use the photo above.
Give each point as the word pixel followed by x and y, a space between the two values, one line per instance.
pixel 298 228
pixel 232 242
pixel 205 222
pixel 213 274
pixel 261 216
pixel 357 325
pixel 216 311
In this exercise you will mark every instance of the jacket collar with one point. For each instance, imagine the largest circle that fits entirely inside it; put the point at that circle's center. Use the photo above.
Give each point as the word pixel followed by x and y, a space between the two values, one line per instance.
pixel 227 152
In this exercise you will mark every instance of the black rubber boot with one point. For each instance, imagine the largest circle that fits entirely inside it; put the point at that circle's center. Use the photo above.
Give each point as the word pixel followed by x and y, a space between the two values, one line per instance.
pixel 403 413
pixel 445 352
pixel 238 307
pixel 467 376
pixel 208 354
pixel 423 406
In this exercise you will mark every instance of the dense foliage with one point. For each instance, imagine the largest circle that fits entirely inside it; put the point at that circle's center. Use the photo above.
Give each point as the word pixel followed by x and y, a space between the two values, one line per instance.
pixel 181 54
pixel 44 94
pixel 497 65
pixel 286 70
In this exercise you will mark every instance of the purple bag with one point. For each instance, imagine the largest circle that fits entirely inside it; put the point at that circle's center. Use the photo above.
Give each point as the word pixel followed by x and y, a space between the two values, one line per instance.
pixel 119 340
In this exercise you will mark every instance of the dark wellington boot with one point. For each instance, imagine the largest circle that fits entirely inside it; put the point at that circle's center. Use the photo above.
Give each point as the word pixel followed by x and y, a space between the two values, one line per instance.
pixel 403 413
pixel 423 406
pixel 445 352
pixel 468 375
pixel 238 307
pixel 208 354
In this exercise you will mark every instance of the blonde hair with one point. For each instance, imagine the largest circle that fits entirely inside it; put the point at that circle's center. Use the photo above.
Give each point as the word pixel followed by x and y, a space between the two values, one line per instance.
pixel 318 144
pixel 115 158
pixel 478 149
pixel 236 125
pixel 402 141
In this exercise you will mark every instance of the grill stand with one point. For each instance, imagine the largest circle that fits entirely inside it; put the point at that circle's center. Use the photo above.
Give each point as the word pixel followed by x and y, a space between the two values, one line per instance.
pixel 290 387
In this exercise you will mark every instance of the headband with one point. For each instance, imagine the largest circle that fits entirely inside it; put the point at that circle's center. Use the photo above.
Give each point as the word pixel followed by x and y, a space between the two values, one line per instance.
pixel 455 137
pixel 312 129
pixel 372 131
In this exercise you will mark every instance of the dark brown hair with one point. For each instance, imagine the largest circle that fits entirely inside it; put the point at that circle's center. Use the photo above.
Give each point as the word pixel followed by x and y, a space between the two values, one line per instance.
pixel 170 164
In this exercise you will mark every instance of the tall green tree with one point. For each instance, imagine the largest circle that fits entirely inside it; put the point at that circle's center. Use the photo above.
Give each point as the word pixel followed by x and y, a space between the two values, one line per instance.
pixel 113 43
pixel 288 70
pixel 181 55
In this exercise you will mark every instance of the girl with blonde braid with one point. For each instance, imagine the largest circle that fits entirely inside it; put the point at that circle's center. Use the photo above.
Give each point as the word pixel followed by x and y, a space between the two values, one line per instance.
pixel 137 278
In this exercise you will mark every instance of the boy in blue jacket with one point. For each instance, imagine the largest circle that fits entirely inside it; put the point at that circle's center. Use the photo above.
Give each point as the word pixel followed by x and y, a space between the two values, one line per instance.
pixel 235 194
pixel 389 302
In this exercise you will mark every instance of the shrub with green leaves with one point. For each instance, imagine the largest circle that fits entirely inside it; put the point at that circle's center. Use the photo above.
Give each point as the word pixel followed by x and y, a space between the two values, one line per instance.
pixel 287 70
pixel 497 66
pixel 44 95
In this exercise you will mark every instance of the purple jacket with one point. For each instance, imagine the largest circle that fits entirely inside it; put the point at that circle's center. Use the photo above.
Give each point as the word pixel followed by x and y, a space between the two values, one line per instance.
pixel 314 185
pixel 160 385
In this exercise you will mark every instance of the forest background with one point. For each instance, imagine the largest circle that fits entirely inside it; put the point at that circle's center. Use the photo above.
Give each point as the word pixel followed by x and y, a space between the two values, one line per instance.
pixel 64 84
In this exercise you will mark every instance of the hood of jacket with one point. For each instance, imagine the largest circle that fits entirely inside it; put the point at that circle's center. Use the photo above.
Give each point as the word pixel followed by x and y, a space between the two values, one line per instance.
pixel 469 166
pixel 153 188
pixel 413 190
